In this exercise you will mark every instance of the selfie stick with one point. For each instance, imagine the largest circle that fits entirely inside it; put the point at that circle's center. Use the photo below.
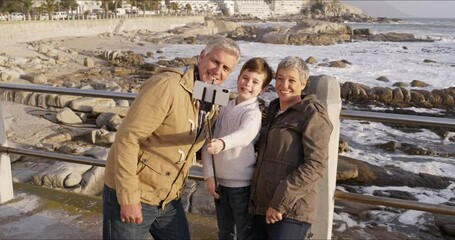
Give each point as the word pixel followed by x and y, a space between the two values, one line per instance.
pixel 210 135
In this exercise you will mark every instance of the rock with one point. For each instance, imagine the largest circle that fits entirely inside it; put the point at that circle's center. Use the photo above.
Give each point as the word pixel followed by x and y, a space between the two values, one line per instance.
pixel 121 111
pixel 383 79
pixel 275 38
pixel 429 61
pixel 337 64
pixel 97 152
pixel 123 103
pixel 102 137
pixel 9 75
pixel 446 223
pixel 86 104
pixel 109 120
pixel 200 202
pixel 36 78
pixel 362 31
pixel 400 84
pixel 55 175
pixel 418 83
pixel 395 194
pixel 187 194
pixel 392 176
pixel 93 181
pixel 88 62
pixel 346 170
pixel 311 60
pixel 343 146
pixel 68 116
pixel 72 180
pixel 391 146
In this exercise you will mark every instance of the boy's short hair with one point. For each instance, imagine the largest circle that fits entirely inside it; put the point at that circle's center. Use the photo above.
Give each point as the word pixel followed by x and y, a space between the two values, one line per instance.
pixel 260 66
pixel 297 63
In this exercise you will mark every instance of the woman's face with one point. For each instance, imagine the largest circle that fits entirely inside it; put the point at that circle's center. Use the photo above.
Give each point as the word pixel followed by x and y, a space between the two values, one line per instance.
pixel 288 85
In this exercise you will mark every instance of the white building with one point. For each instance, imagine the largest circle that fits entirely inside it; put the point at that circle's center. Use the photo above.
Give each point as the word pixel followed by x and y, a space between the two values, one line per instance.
pixel 253 8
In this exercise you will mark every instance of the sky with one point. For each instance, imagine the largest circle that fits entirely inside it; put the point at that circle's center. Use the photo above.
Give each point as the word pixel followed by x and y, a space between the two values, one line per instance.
pixel 406 9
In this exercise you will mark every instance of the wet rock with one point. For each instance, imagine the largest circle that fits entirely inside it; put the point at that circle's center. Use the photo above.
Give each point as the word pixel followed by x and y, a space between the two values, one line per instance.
pixel 429 61
pixel 389 146
pixel 392 176
pixel 446 223
pixel 383 79
pixel 346 170
pixel 395 194
pixel 311 60
pixel 343 146
pixel 418 83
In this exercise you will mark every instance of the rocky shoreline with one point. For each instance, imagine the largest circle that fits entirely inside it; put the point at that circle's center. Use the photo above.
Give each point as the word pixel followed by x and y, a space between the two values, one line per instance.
pixel 86 126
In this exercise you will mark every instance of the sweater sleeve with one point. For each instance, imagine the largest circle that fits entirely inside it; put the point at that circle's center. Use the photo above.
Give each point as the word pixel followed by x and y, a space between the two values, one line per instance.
pixel 145 115
pixel 315 141
pixel 250 124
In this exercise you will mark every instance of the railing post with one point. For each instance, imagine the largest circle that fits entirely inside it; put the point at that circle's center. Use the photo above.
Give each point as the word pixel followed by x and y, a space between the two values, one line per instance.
pixel 6 180
pixel 327 90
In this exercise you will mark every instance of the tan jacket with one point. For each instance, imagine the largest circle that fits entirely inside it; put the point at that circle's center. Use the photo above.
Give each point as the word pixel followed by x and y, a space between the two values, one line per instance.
pixel 156 143
pixel 293 153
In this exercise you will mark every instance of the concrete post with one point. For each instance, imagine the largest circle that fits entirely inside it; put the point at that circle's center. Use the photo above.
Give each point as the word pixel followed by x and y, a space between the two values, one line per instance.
pixel 327 90
pixel 6 180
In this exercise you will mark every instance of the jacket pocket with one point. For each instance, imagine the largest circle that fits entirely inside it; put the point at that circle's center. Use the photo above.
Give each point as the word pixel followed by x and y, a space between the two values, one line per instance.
pixel 157 174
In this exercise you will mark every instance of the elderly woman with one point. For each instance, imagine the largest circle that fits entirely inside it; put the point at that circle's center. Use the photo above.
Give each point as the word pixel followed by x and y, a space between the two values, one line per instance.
pixel 293 153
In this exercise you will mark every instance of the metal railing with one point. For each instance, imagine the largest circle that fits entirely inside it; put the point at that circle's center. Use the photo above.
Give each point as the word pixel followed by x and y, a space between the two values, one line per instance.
pixel 196 172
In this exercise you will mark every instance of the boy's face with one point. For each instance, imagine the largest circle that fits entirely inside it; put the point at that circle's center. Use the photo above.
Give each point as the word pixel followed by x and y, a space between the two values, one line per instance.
pixel 249 85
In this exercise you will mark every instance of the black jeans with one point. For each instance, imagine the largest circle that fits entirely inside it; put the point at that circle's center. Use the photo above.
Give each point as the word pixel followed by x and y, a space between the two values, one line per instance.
pixel 234 222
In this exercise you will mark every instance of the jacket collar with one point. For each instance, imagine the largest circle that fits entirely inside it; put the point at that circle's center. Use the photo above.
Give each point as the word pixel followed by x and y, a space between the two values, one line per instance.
pixel 301 106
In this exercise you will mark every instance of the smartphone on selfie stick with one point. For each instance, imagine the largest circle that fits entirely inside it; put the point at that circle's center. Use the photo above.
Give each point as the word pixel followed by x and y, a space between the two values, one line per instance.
pixel 210 94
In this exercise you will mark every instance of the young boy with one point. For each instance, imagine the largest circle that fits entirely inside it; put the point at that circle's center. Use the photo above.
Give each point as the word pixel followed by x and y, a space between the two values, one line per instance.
pixel 232 147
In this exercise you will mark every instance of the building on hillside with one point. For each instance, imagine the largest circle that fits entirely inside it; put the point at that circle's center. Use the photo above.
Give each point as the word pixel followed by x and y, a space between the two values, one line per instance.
pixel 286 7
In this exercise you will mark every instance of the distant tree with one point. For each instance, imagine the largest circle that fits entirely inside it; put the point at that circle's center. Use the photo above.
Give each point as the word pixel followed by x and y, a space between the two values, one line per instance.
pixel 68 5
pixel 27 6
pixel 188 8
pixel 11 6
pixel 174 6
pixel 155 5
pixel 49 7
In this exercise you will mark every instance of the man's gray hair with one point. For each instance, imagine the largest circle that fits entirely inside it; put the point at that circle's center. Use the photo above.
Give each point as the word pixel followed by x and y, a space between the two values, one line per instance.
pixel 298 63
pixel 223 43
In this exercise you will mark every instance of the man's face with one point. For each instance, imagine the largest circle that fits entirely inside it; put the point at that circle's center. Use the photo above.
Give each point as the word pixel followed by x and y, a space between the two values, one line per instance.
pixel 216 66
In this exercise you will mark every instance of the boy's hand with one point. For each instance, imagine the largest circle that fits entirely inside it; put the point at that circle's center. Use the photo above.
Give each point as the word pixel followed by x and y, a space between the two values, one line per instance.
pixel 212 188
pixel 215 146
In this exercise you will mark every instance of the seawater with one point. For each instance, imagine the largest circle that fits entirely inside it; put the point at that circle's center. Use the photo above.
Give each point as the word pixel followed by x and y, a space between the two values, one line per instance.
pixel 431 28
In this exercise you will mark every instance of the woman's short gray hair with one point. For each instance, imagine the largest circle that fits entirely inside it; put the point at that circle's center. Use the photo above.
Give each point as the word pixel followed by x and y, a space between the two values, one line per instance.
pixel 226 44
pixel 298 63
